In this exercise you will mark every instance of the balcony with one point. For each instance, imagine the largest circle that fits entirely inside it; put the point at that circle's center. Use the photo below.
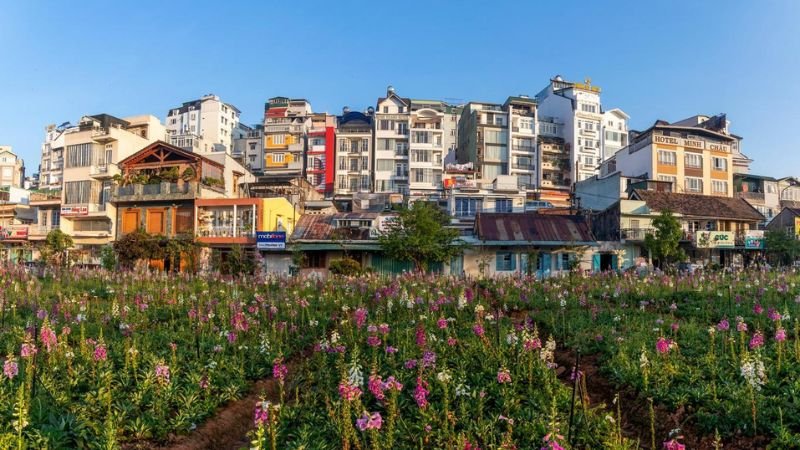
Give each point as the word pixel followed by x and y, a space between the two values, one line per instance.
pixel 635 234
pixel 161 192
pixel 589 133
pixel 241 230
pixel 754 196
pixel 92 228
pixel 40 231
pixel 523 149
pixel 45 198
pixel 516 166
pixel 298 147
pixel 103 172
pixel 103 135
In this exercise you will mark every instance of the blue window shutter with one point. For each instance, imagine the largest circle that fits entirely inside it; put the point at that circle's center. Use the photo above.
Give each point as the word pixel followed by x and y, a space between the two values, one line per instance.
pixel 596 262
pixel 513 262
pixel 498 258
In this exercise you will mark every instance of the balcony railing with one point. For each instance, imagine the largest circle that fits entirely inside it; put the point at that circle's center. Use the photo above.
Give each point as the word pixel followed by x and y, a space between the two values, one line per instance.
pixel 635 234
pixel 759 196
pixel 523 166
pixel 240 230
pixel 161 191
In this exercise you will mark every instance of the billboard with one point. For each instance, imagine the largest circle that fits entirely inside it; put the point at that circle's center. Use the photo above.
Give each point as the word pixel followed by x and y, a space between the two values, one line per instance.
pixel 270 240
pixel 14 232
pixel 797 226
pixel 67 211
pixel 715 239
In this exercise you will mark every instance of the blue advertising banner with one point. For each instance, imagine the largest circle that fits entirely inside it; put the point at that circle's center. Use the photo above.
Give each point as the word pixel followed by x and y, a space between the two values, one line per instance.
pixel 270 240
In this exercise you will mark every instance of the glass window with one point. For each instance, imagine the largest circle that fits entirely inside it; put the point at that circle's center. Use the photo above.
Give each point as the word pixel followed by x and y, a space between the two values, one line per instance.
pixel 505 262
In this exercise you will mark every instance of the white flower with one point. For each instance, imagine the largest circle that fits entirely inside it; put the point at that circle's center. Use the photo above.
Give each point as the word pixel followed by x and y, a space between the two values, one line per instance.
pixel 753 371
pixel 511 338
pixel 462 302
pixel 444 376
pixel 563 303
pixel 643 361
pixel 478 308
pixel 354 374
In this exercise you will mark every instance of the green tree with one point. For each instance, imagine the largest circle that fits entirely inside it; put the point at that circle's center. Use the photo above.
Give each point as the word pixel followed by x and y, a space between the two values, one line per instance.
pixel 781 248
pixel 56 245
pixel 664 244
pixel 420 234
pixel 135 246
pixel 108 259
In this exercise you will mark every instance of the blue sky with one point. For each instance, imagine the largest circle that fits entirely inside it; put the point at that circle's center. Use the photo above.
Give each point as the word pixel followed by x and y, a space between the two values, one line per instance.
pixel 666 60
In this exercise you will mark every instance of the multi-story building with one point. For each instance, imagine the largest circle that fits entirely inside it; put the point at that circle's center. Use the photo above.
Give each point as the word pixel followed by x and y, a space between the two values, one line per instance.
pixel 465 196
pixel 354 155
pixel 91 151
pixel 203 125
pixel 51 167
pixel 12 168
pixel 577 106
pixel 286 124
pixel 320 152
pixel 720 123
pixel 392 117
pixel 524 156
pixel 695 159
pixel 614 132
pixel 483 139
pixel 248 147
pixel 15 219
pixel 428 125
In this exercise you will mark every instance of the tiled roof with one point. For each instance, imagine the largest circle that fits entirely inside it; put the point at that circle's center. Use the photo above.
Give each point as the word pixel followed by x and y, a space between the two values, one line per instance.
pixel 699 205
pixel 532 227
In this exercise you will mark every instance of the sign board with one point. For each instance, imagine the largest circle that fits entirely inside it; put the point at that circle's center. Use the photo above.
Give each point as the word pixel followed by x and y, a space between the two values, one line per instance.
pixel 270 240
pixel 14 232
pixel 67 211
pixel 753 243
pixel 797 226
pixel 715 239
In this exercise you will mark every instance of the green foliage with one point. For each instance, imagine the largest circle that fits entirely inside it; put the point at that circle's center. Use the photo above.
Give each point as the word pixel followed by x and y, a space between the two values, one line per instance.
pixel 188 174
pixel 56 245
pixel 420 234
pixel 782 248
pixel 236 262
pixel 345 266
pixel 213 182
pixel 664 244
pixel 108 259
pixel 135 246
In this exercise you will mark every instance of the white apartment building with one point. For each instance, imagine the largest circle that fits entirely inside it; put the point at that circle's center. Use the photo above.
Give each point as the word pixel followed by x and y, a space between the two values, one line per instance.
pixel 614 132
pixel 578 107
pixel 524 157
pixel 12 168
pixel 483 139
pixel 392 123
pixel 204 125
pixel 91 152
pixel 354 155
pixel 427 146
pixel 51 167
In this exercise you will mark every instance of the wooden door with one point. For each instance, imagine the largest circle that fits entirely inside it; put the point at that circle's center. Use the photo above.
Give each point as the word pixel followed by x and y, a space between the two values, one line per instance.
pixel 130 221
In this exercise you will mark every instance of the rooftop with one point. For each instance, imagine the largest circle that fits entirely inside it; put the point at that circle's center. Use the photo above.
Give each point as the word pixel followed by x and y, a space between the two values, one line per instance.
pixel 699 205
pixel 532 227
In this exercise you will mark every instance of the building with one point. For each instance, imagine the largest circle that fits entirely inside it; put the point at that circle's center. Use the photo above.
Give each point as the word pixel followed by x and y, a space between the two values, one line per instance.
pixel 695 159
pixel 16 217
pixel 203 125
pixel 721 124
pixel 483 139
pixel 555 181
pixel 227 222
pixel 392 120
pixel 428 126
pixel 577 107
pixel 248 147
pixel 522 130
pixel 12 168
pixel 51 166
pixel 91 152
pixel 541 245
pixel 614 132
pixel 788 221
pixel 286 124
pixel 320 153
pixel 354 152
pixel 719 230
pixel 761 192
pixel 599 192
pixel 464 196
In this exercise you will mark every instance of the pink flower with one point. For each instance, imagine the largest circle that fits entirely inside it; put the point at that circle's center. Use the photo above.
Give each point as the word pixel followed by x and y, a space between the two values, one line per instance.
pixel 421 338
pixel 279 369
pixel 383 329
pixel 204 384
pixel 389 349
pixel 503 376
pixel 231 337
pixel 100 352
pixel 360 316
pixel 758 309
pixel 376 387
pixel 531 344
pixel 662 345
pixel 723 325
pixel 261 415
pixel 757 340
pixel 421 393
pixel 47 337
pixel 675 326
pixel 741 326
pixel 478 330
pixel 773 315
pixel 673 445
pixel 392 384
pixel 551 442
pixel 28 350
pixel 369 421
pixel 162 373
pixel 373 341
pixel 349 392
pixel 10 368
pixel 780 334
pixel 452 342
pixel 441 323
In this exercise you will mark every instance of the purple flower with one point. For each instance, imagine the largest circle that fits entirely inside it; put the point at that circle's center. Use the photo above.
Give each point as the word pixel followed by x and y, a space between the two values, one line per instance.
pixel 369 421
pixel 757 340
pixel 723 325
pixel 421 393
pixel 162 373
pixel 410 364
pixel 428 359
pixel 503 376
pixel 478 330
pixel 373 341
pixel 10 368
pixel 360 316
pixel 780 334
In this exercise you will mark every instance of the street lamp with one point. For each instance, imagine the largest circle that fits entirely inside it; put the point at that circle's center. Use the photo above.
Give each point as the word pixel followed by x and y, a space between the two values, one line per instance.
pixel 792 182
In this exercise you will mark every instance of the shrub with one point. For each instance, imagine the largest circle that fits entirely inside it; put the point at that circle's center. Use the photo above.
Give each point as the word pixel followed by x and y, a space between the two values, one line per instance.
pixel 345 266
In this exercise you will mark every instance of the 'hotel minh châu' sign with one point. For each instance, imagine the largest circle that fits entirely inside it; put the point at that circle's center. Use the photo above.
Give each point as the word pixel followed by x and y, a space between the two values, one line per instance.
pixel 690 143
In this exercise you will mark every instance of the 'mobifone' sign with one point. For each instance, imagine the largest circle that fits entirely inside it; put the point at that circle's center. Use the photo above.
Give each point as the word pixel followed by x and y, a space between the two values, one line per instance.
pixel 270 240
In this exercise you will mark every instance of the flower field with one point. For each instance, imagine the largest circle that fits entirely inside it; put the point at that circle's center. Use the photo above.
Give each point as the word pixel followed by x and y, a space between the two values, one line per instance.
pixel 119 360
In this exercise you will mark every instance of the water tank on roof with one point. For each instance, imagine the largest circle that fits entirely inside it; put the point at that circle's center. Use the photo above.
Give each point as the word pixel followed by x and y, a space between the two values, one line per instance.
pixel 370 110
pixel 389 89
pixel 345 110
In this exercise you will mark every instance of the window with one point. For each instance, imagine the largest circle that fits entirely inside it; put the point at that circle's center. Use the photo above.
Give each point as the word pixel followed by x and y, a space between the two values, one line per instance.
pixel 635 224
pixel 719 187
pixel 364 163
pixel 385 165
pixel 468 206
pixel 354 165
pixel 402 128
pixel 278 157
pixel 669 178
pixel 587 107
pixel 694 184
pixel 252 146
pixel 401 169
pixel 526 124
pixel 505 262
pixel 78 192
pixel 386 109
pixel 498 121
pixel 278 139
pixel 719 164
pixel 504 205
pixel 694 160
pixel 79 155
pixel 385 125
pixel 588 160
pixel 55 218
pixel 666 158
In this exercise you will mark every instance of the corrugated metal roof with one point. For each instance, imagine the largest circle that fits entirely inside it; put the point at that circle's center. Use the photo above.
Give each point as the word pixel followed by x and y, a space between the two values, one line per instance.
pixel 319 227
pixel 532 227
pixel 699 205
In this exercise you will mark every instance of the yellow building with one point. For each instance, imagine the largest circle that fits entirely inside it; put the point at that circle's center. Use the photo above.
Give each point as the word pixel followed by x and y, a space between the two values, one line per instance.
pixel 286 122
pixel 696 159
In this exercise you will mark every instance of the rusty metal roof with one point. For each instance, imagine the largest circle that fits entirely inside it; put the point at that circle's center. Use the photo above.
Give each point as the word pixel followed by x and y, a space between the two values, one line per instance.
pixel 320 227
pixel 532 227
pixel 699 205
